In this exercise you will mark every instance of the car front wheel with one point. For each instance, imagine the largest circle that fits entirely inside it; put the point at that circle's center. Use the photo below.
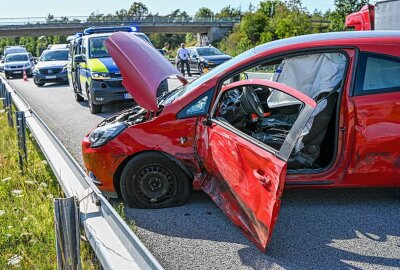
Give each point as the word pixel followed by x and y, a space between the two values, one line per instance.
pixel 152 180
pixel 38 82
pixel 201 68
pixel 93 108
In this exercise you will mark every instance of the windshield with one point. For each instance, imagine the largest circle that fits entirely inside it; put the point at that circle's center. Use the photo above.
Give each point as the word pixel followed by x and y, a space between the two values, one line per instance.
pixel 17 58
pixel 54 55
pixel 97 49
pixel 14 50
pixel 208 51
pixel 183 90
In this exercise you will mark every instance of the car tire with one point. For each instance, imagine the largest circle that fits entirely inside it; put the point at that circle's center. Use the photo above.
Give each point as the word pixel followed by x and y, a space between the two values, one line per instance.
pixel 152 180
pixel 38 82
pixel 93 108
pixel 201 68
pixel 78 97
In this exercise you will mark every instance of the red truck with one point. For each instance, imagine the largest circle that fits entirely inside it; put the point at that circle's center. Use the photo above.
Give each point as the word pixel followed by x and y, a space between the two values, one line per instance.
pixel 382 16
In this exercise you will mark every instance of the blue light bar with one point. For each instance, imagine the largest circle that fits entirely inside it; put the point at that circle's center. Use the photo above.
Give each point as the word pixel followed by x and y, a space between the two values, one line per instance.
pixel 99 30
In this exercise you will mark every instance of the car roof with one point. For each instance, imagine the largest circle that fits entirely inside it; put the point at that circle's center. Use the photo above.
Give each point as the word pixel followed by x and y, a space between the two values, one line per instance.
pixel 15 47
pixel 97 35
pixel 326 37
pixel 198 47
pixel 109 34
pixel 58 46
pixel 56 49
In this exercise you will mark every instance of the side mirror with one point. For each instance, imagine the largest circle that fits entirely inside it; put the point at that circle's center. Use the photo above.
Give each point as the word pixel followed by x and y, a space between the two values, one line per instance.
pixel 78 59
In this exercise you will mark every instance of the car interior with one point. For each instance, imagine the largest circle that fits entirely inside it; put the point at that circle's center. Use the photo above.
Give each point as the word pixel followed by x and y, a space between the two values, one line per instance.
pixel 268 114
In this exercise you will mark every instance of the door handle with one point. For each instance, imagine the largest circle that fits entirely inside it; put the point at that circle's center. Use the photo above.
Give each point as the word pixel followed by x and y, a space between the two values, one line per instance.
pixel 265 181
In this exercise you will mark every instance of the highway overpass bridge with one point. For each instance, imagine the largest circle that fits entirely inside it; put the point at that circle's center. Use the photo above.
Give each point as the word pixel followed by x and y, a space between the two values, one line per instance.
pixel 212 27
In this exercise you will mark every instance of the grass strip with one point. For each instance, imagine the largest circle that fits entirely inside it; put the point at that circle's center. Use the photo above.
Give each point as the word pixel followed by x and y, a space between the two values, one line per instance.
pixel 27 237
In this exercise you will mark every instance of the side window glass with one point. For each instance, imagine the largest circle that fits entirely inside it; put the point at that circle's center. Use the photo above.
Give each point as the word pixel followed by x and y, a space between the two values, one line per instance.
pixel 377 74
pixel 83 47
pixel 198 107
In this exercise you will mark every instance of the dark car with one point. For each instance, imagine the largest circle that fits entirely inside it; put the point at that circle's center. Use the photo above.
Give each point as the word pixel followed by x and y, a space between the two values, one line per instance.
pixel 206 57
pixel 52 67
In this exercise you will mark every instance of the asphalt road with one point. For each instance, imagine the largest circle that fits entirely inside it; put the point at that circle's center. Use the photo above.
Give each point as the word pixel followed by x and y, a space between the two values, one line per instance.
pixel 317 229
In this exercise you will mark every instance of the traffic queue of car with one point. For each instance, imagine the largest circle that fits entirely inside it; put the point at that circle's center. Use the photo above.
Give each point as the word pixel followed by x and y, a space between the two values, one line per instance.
pixel 88 68
pixel 51 66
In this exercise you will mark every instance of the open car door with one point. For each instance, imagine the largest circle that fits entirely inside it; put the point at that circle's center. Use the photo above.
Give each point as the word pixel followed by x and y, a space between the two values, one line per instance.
pixel 245 177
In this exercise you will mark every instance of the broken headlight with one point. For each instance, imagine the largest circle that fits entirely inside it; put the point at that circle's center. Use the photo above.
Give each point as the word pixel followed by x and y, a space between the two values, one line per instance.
pixel 101 135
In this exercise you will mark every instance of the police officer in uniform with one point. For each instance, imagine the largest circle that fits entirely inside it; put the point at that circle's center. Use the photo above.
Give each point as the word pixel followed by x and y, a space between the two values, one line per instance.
pixel 184 58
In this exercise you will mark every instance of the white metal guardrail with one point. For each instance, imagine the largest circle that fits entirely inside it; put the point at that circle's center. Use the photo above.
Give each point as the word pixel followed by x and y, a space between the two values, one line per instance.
pixel 114 243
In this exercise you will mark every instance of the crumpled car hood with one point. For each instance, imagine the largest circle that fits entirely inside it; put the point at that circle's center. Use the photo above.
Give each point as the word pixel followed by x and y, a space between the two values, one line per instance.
pixel 142 67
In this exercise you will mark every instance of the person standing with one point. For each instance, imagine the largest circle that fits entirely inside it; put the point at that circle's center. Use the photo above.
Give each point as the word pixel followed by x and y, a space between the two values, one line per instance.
pixel 184 58
pixel 166 50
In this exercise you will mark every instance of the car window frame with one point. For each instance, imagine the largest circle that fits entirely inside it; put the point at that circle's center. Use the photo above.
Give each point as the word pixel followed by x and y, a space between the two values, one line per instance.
pixel 271 58
pixel 361 69
pixel 182 113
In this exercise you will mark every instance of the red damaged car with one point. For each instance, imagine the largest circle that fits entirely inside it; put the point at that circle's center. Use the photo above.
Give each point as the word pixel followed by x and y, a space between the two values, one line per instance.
pixel 311 111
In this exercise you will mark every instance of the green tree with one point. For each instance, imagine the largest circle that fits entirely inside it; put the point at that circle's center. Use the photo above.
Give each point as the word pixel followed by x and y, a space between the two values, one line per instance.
pixel 204 12
pixel 291 19
pixel 228 12
pixel 138 10
pixel 270 20
pixel 121 14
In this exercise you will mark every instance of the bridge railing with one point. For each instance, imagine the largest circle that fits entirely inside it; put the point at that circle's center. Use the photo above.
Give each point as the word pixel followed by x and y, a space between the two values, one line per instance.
pixel 107 19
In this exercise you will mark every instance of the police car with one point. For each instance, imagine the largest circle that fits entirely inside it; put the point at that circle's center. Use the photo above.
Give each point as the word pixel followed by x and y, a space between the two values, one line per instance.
pixel 92 73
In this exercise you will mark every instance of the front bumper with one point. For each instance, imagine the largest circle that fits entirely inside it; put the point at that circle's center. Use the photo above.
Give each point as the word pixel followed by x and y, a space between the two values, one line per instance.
pixel 101 164
pixel 60 77
pixel 17 72
pixel 106 91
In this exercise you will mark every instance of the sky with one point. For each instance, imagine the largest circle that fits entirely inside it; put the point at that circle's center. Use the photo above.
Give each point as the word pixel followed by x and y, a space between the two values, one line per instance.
pixel 40 8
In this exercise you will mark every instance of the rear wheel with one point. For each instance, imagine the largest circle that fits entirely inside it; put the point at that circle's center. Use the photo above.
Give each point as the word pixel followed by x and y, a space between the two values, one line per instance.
pixel 93 108
pixel 152 180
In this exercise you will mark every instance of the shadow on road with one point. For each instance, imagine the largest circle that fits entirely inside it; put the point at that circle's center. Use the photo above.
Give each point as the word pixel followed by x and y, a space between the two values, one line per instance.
pixel 317 229
pixel 110 109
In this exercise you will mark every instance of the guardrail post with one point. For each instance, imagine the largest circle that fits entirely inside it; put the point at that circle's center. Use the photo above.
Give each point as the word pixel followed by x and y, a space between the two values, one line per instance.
pixel 21 133
pixel 66 217
pixel 2 92
pixel 8 106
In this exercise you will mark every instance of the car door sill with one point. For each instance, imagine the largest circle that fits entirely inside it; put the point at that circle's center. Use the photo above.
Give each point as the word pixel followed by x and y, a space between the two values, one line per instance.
pixel 301 183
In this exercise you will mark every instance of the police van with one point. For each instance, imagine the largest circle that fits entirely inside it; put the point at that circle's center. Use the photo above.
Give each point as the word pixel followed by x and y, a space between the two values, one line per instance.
pixel 92 73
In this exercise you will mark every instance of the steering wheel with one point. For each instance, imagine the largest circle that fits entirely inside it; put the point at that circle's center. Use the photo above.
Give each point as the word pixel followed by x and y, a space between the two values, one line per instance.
pixel 251 102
